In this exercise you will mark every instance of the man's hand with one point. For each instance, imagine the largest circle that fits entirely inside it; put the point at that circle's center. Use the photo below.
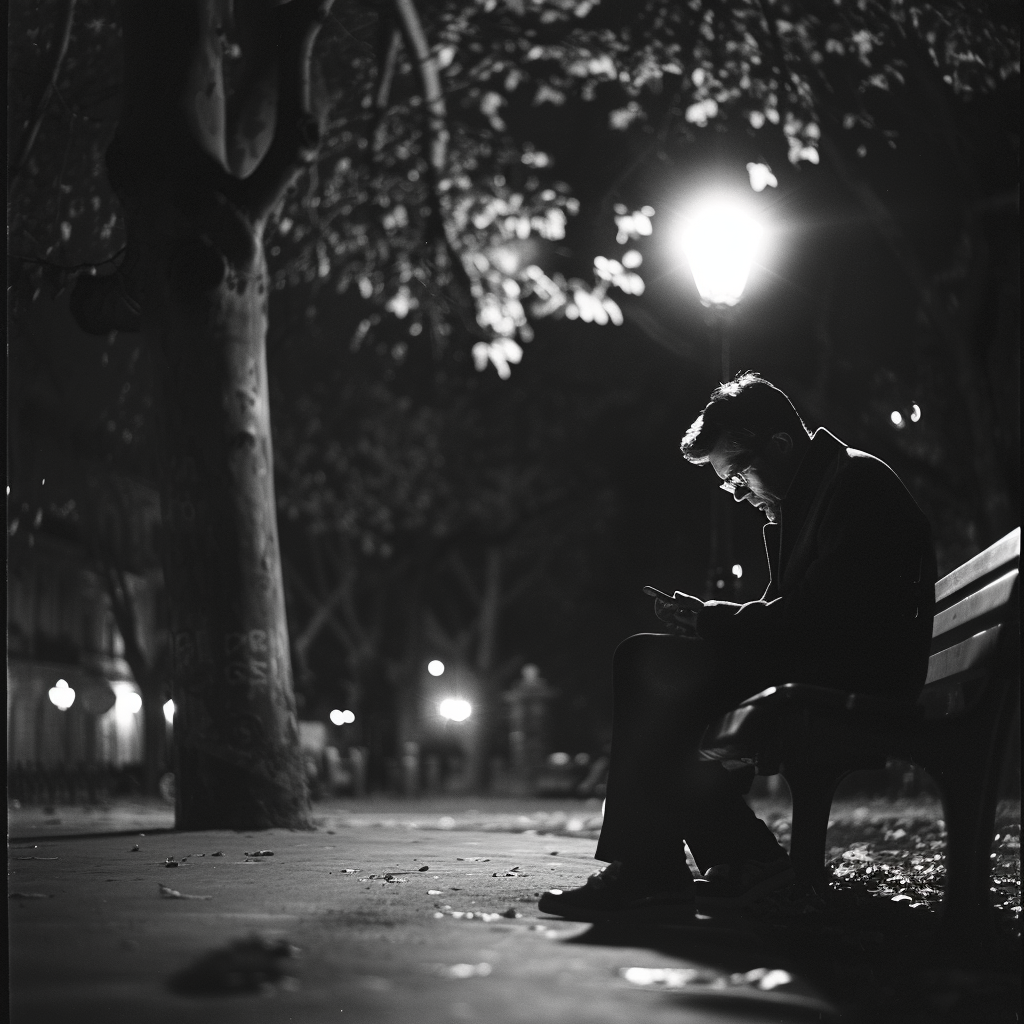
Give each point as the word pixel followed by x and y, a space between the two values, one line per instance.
pixel 679 612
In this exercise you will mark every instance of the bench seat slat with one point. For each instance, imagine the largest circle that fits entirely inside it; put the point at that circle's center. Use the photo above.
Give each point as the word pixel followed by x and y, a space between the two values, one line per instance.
pixel 1001 553
pixel 989 598
pixel 964 656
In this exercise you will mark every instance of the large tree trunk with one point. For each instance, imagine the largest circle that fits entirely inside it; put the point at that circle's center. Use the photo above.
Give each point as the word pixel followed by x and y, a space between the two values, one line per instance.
pixel 198 176
pixel 237 760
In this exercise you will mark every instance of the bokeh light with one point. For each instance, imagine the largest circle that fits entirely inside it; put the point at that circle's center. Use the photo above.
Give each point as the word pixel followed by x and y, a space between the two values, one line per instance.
pixel 61 695
pixel 436 668
pixel 455 709
pixel 129 702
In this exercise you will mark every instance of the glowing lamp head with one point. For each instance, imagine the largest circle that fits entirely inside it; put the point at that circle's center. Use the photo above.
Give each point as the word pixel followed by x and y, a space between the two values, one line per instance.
pixel 169 712
pixel 720 241
pixel 435 667
pixel 455 710
pixel 61 695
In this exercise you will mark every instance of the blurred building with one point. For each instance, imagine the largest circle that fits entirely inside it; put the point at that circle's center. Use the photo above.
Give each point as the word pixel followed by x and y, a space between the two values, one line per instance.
pixel 61 626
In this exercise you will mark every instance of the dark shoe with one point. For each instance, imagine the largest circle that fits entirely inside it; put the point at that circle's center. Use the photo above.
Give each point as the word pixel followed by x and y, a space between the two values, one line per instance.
pixel 727 886
pixel 613 894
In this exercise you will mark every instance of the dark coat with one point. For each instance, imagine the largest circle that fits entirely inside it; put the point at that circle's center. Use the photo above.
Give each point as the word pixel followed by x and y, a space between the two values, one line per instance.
pixel 852 591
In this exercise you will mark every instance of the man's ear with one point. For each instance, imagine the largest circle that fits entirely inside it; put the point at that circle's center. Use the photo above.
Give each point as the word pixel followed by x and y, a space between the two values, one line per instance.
pixel 782 442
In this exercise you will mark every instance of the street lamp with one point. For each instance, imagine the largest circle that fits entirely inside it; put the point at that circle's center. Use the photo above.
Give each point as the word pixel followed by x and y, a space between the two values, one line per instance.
pixel 720 240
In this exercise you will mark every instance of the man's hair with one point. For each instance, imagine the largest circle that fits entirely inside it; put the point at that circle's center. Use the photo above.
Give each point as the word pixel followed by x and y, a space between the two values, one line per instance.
pixel 746 413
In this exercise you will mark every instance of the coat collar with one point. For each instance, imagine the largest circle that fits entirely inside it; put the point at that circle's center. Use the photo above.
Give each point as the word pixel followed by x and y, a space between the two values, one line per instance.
pixel 780 538
pixel 822 450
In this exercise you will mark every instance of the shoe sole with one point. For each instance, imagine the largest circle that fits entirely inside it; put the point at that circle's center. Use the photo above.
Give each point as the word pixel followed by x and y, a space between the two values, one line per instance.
pixel 751 895
pixel 663 913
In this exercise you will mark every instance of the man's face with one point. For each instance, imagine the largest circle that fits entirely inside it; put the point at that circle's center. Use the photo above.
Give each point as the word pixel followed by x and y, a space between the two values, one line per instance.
pixel 760 479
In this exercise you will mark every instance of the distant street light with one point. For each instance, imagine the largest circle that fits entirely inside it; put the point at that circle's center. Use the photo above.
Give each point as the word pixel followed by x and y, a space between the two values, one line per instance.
pixel 342 717
pixel 169 712
pixel 61 695
pixel 435 667
pixel 455 710
pixel 720 240
pixel 128 702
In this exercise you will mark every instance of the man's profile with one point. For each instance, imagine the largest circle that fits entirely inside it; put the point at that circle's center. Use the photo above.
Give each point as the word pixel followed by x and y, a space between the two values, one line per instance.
pixel 849 606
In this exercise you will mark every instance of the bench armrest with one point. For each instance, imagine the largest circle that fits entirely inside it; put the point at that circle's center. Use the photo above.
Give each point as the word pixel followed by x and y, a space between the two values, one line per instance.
pixel 865 707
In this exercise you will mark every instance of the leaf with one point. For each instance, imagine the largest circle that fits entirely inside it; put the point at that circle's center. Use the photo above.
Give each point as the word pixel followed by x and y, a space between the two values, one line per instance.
pixel 172 894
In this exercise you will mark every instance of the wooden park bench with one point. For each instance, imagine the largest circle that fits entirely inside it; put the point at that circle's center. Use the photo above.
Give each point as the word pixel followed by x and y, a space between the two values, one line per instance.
pixel 957 731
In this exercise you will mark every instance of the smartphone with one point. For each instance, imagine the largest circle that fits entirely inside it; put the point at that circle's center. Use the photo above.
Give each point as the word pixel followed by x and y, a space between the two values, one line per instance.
pixel 654 592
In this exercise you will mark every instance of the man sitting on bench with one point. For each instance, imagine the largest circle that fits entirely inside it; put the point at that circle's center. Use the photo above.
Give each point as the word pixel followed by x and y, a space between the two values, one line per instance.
pixel 849 606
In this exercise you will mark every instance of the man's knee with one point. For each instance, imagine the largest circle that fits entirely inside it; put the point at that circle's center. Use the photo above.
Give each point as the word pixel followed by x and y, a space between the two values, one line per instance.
pixel 660 660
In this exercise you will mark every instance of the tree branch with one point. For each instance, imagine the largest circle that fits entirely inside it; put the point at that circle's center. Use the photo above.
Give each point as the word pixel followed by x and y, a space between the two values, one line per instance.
pixel 43 103
pixel 252 100
pixel 386 77
pixel 437 138
pixel 104 303
pixel 458 567
pixel 297 130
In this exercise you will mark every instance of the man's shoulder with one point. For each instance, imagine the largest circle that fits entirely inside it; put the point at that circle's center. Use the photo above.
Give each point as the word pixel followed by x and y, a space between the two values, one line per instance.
pixel 865 478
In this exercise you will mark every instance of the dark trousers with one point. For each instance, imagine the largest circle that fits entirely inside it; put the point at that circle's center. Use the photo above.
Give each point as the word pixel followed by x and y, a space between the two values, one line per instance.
pixel 667 690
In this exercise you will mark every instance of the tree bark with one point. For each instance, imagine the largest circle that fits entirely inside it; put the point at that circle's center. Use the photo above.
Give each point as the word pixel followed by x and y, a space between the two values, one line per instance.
pixel 198 272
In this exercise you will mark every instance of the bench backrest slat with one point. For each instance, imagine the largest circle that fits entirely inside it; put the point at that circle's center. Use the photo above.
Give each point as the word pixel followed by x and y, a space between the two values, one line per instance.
pixel 962 657
pixel 989 598
pixel 990 560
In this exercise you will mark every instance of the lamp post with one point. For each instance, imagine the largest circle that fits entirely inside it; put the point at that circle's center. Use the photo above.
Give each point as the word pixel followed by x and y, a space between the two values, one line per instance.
pixel 720 240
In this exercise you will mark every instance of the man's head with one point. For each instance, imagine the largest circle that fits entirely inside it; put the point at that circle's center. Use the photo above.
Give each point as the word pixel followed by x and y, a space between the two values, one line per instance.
pixel 754 439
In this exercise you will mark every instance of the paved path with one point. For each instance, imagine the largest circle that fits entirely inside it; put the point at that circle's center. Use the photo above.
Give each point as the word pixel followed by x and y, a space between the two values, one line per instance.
pixel 453 934
pixel 93 939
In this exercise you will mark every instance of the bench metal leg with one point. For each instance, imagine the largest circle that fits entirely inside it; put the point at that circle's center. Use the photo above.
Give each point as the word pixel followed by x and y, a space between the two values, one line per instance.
pixel 812 786
pixel 969 803
pixel 966 761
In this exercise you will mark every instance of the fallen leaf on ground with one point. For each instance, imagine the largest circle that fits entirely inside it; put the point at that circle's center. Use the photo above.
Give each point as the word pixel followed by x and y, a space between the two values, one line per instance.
pixel 261 853
pixel 480 859
pixel 466 970
pixel 346 871
pixel 172 894
pixel 433 892
pixel 426 867
pixel 219 853
pixel 30 895
pixel 35 858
